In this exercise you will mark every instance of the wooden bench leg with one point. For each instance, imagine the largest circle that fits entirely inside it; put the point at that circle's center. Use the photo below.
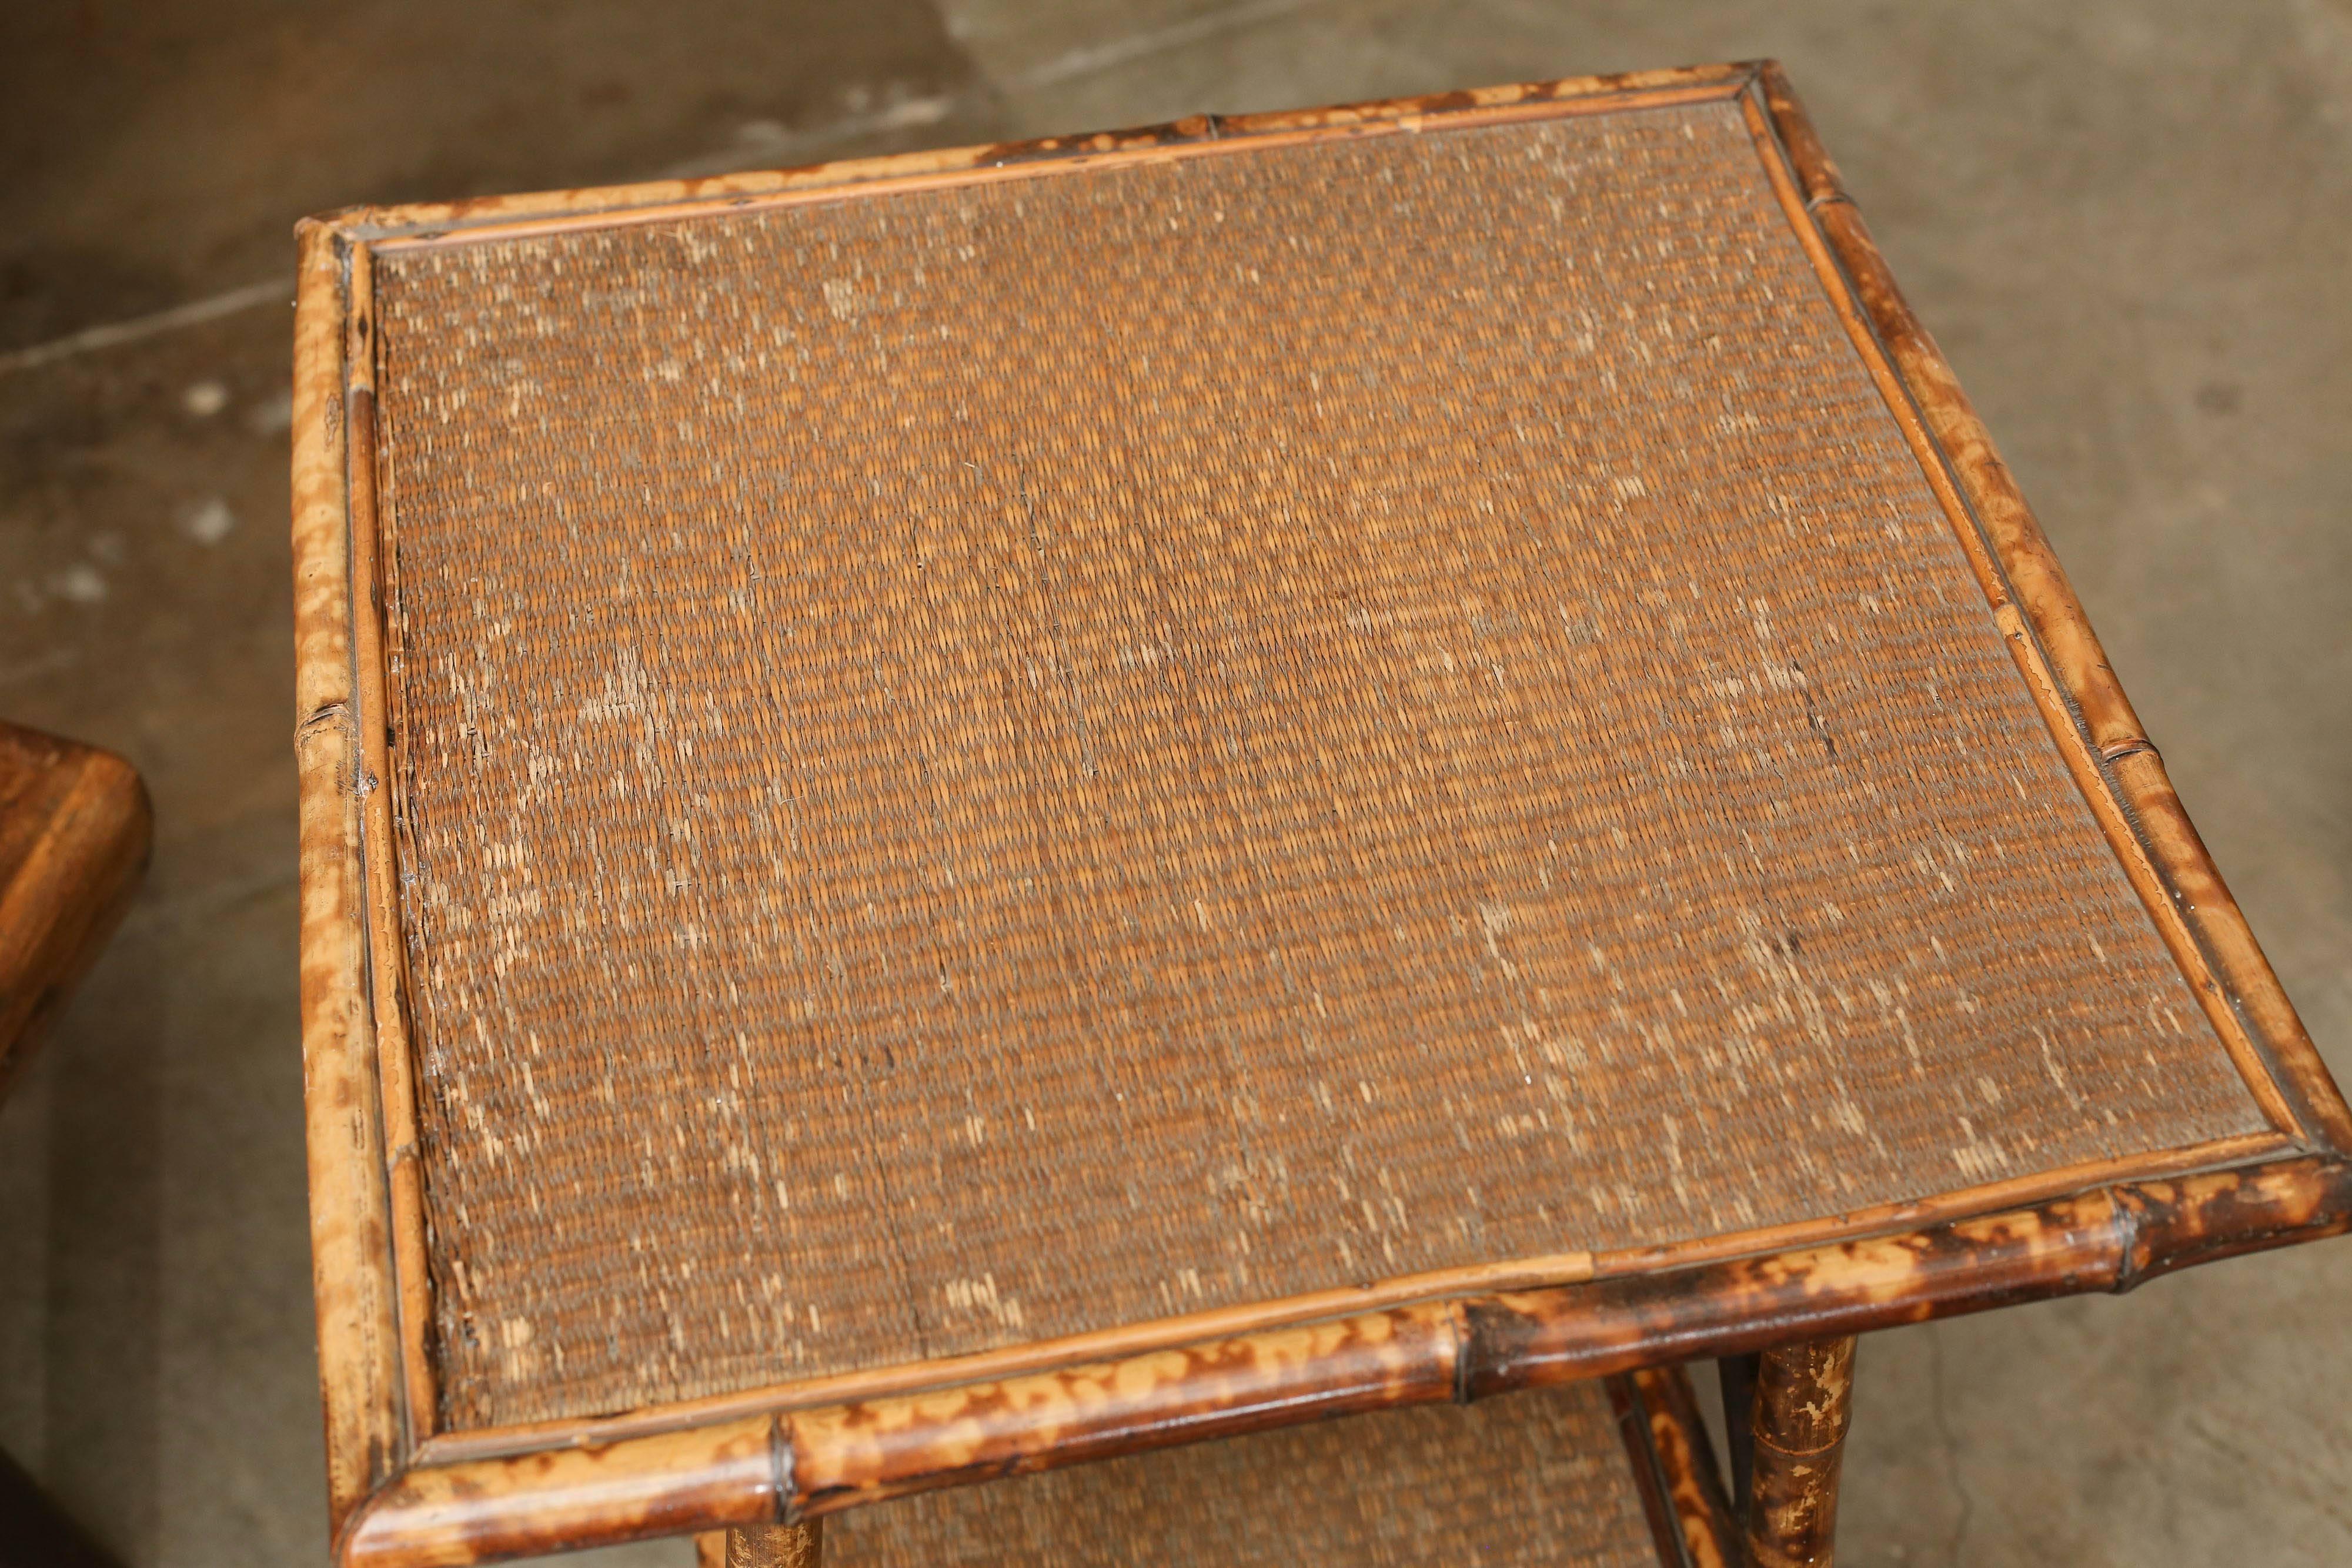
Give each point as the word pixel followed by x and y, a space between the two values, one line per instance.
pixel 763 1546
pixel 1802 1404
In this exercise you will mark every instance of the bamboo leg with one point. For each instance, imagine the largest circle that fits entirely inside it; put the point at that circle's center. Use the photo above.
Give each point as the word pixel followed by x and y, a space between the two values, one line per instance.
pixel 1802 1408
pixel 771 1546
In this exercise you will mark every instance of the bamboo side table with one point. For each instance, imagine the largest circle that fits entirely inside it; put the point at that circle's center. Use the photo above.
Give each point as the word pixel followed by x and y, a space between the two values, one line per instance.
pixel 972 813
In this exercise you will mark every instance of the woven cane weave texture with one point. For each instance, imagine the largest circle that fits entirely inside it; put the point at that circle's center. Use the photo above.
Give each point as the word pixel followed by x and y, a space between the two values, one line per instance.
pixel 984 763
pixel 1531 1480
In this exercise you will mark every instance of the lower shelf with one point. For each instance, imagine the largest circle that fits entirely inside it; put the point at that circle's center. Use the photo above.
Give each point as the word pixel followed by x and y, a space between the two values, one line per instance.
pixel 1551 1478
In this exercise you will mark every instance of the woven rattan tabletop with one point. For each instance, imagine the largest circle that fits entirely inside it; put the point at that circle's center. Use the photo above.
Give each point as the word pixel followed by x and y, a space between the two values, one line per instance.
pixel 1106 742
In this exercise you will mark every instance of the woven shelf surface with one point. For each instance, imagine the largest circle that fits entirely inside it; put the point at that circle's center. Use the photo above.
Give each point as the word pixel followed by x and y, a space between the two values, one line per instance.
pixel 1531 1479
pixel 989 761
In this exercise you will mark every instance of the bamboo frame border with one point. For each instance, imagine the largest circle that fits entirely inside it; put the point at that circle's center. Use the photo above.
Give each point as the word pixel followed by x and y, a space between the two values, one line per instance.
pixel 401 1493
pixel 1683 1501
pixel 798 1464
pixel 351 1219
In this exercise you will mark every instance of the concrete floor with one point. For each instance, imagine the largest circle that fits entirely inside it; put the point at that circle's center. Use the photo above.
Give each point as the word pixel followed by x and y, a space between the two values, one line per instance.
pixel 2130 224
